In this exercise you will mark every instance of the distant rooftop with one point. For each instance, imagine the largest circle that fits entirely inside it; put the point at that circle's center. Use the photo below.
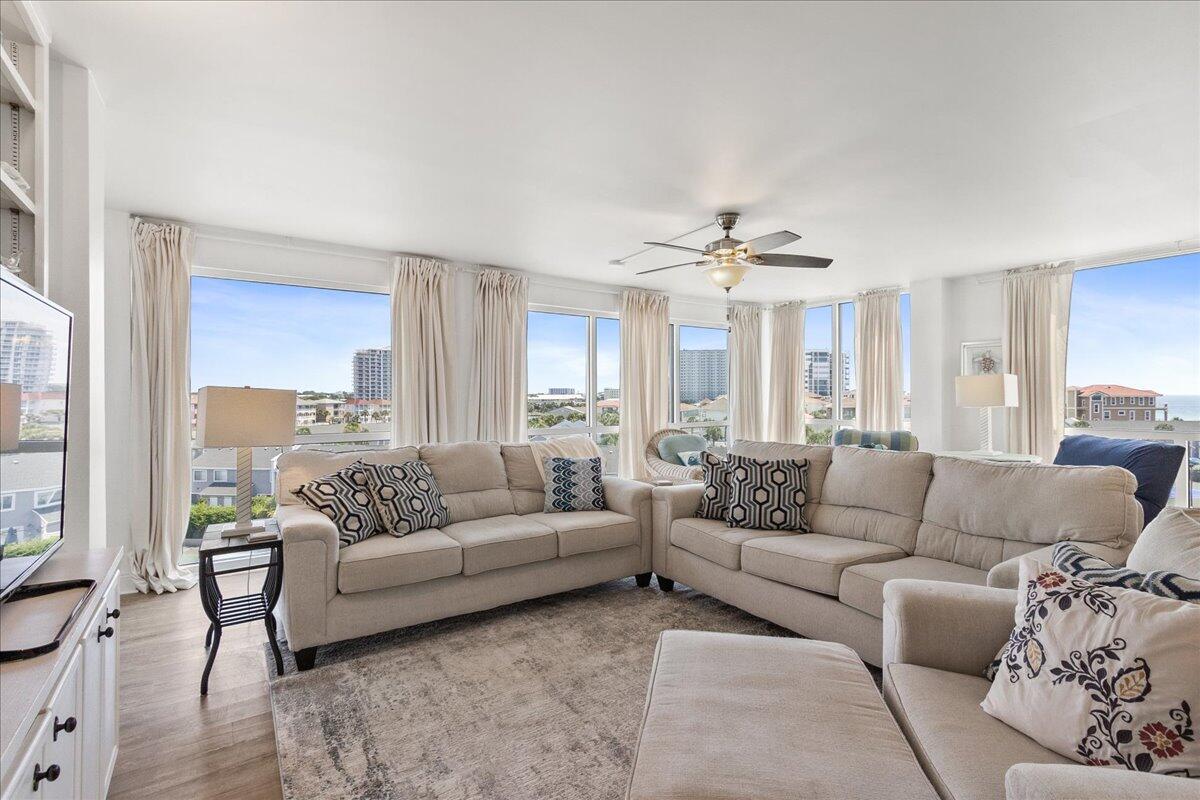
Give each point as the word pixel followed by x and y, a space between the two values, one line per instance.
pixel 1116 390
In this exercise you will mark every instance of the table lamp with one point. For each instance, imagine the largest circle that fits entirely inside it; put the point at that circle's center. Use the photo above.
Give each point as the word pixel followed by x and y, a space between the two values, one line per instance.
pixel 985 392
pixel 245 418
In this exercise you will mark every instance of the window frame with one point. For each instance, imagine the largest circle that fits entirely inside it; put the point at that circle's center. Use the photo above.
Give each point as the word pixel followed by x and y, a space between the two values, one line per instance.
pixel 38 494
pixel 673 417
pixel 8 501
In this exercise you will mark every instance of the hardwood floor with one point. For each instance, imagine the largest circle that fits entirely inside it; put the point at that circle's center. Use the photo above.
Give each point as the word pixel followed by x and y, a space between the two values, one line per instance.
pixel 173 742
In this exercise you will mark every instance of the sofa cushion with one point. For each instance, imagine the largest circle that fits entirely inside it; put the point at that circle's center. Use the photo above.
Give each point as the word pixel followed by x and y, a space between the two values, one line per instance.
pixel 733 716
pixel 1155 465
pixel 768 495
pixel 811 561
pixel 862 584
pixel 714 540
pixel 589 531
pixel 472 479
pixel 894 482
pixel 503 541
pixel 524 479
pixel 1170 542
pixel 971 519
pixel 384 561
pixel 295 467
pixel 964 751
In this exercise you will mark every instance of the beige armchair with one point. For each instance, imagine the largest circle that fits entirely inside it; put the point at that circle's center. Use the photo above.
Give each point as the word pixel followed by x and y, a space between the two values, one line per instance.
pixel 665 469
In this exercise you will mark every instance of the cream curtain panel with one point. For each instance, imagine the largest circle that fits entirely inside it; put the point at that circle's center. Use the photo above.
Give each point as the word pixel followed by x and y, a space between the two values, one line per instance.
pixel 745 372
pixel 421 399
pixel 786 403
pixel 880 360
pixel 1037 307
pixel 497 399
pixel 645 321
pixel 160 262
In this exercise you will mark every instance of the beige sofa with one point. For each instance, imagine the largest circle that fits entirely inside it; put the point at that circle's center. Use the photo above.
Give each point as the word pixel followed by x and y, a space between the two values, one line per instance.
pixel 880 515
pixel 938 637
pixel 498 548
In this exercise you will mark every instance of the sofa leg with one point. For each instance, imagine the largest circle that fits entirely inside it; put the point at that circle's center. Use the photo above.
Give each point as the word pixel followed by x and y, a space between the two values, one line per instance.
pixel 643 579
pixel 666 584
pixel 306 658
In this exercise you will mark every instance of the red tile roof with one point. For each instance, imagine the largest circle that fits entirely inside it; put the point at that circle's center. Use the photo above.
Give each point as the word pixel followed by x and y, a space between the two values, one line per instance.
pixel 1116 390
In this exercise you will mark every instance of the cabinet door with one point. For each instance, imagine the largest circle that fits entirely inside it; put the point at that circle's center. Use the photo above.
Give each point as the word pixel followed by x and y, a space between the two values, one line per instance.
pixel 62 745
pixel 111 653
pixel 91 728
pixel 22 786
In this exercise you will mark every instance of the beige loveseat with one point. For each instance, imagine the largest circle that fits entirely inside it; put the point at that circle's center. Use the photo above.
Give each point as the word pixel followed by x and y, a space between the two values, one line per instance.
pixel 879 515
pixel 498 548
pixel 937 639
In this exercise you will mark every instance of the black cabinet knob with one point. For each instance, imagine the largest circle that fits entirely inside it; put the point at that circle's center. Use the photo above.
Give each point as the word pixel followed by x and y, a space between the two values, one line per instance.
pixel 100 634
pixel 68 726
pixel 50 775
pixel 114 614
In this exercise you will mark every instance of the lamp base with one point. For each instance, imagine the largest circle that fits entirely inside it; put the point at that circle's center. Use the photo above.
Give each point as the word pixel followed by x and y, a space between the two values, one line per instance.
pixel 238 531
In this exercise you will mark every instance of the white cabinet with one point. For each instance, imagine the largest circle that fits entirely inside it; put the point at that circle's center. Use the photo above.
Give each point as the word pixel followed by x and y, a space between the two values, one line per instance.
pixel 70 749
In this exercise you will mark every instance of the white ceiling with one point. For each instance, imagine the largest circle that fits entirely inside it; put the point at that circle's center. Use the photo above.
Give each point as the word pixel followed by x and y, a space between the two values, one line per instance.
pixel 902 140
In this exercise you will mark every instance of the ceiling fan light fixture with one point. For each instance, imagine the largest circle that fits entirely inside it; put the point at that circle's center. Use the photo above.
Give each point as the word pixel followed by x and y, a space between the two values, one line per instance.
pixel 727 273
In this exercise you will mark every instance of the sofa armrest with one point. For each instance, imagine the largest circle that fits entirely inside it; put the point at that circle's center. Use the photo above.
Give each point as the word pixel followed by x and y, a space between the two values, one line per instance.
pixel 671 503
pixel 1073 781
pixel 310 557
pixel 1004 574
pixel 955 627
pixel 633 499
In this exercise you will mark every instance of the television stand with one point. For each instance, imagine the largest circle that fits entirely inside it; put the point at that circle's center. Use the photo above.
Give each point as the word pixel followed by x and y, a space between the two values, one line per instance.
pixel 39 590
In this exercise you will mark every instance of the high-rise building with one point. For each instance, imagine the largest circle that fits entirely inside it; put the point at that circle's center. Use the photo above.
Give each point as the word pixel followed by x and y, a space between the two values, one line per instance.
pixel 703 375
pixel 564 390
pixel 373 373
pixel 26 355
pixel 818 372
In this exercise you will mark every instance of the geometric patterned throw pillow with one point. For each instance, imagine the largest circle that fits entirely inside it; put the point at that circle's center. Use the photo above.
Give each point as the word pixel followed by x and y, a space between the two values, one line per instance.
pixel 768 495
pixel 407 497
pixel 714 503
pixel 344 497
pixel 573 484
pixel 1102 675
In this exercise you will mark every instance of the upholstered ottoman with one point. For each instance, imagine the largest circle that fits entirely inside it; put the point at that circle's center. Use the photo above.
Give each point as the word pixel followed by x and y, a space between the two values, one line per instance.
pixel 733 716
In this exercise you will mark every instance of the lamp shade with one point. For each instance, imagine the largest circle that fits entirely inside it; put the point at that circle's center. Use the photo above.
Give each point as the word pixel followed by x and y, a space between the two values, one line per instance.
pixel 992 390
pixel 243 417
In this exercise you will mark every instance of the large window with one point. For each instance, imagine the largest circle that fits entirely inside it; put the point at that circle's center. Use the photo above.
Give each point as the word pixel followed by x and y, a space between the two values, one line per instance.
pixel 700 381
pixel 331 346
pixel 573 378
pixel 830 364
pixel 1133 357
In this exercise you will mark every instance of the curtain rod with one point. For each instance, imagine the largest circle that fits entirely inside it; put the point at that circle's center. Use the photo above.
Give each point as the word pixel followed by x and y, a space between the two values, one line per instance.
pixel 1178 247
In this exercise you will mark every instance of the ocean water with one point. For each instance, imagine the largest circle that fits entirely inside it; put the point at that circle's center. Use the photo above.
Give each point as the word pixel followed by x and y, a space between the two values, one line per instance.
pixel 1184 406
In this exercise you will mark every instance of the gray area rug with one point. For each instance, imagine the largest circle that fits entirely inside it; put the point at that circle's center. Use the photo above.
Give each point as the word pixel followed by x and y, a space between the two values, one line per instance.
pixel 541 699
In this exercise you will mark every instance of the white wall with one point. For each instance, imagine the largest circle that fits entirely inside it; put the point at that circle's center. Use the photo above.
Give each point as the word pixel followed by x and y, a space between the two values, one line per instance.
pixel 118 363
pixel 76 255
pixel 945 313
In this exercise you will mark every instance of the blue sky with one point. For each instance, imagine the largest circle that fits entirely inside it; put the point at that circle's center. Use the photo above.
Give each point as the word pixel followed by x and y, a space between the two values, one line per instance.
pixel 281 337
pixel 1135 324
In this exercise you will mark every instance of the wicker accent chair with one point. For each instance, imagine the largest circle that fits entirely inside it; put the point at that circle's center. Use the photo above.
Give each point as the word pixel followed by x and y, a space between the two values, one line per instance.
pixel 665 469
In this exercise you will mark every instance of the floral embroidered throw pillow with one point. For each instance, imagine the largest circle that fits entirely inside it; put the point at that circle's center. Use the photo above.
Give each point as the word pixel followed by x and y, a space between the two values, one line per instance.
pixel 1103 675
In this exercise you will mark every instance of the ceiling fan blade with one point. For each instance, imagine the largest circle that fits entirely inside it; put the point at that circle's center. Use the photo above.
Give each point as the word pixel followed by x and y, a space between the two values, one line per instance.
pixel 673 266
pixel 782 260
pixel 675 247
pixel 770 241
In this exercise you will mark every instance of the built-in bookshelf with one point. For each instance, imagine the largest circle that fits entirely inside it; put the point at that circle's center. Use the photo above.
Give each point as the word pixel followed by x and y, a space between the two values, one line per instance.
pixel 24 140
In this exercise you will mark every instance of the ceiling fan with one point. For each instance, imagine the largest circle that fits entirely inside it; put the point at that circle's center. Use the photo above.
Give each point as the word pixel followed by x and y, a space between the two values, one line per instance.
pixel 727 260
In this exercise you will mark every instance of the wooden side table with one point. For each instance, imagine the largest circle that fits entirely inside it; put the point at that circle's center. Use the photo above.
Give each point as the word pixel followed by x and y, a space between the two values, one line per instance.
pixel 224 612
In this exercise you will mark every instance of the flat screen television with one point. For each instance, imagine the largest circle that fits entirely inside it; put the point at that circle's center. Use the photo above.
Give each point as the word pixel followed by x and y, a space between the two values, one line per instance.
pixel 35 359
